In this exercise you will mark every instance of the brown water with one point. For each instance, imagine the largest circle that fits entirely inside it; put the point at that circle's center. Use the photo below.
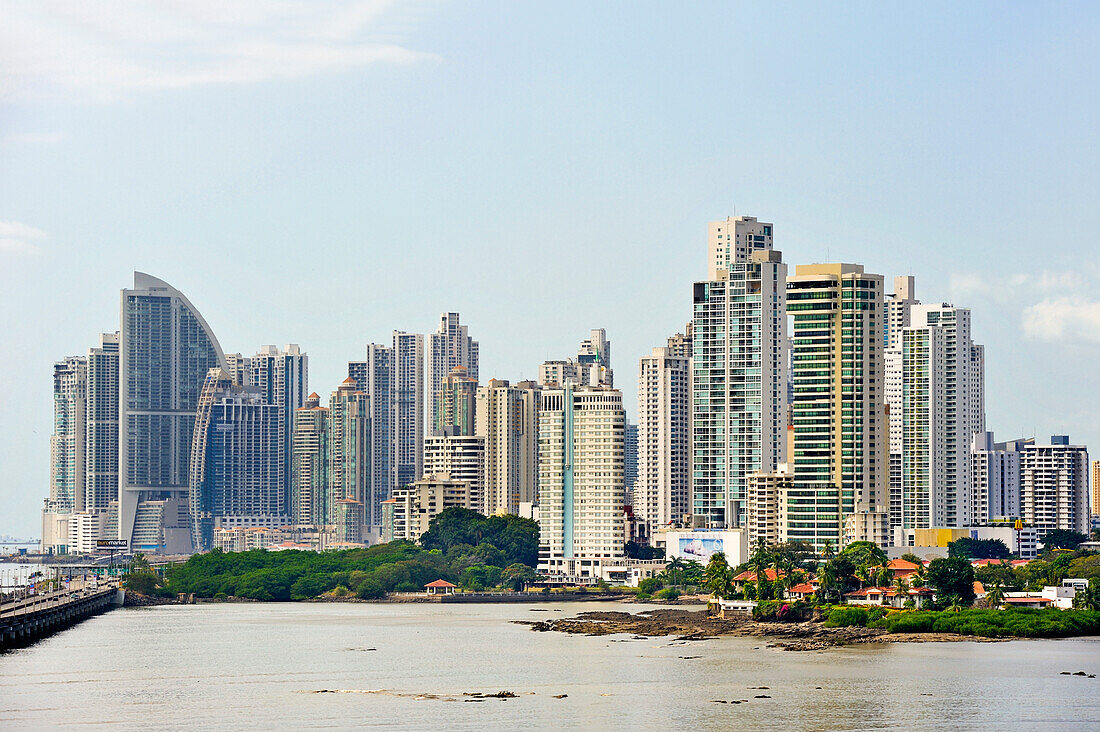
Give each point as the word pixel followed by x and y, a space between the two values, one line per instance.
pixel 251 666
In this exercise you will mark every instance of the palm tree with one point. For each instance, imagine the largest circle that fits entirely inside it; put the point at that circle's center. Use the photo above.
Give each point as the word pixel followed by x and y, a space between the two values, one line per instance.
pixel 718 576
pixel 996 596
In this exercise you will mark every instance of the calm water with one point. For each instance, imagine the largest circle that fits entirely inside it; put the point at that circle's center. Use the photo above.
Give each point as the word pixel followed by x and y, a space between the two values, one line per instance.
pixel 247 666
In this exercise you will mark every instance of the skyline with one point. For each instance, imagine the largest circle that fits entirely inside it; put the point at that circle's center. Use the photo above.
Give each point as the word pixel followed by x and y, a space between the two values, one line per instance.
pixel 551 218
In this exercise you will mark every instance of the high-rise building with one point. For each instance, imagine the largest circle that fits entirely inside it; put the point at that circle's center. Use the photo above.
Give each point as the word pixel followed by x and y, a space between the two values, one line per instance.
pixel 838 491
pixel 1054 490
pixel 236 466
pixel 374 376
pixel 507 419
pixel 630 457
pixel 899 305
pixel 67 443
pixel 996 479
pixel 309 491
pixel 591 367
pixel 662 493
pixel 898 308
pixel 454 409
pixel 166 350
pixel 101 432
pixel 462 457
pixel 943 408
pixel 766 507
pixel 239 368
pixel 349 442
pixel 581 514
pixel 1095 492
pixel 282 377
pixel 450 346
pixel 739 375
pixel 410 511
pixel 679 345
pixel 407 421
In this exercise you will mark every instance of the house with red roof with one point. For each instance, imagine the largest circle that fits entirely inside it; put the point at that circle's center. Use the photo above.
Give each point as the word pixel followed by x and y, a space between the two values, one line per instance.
pixel 440 587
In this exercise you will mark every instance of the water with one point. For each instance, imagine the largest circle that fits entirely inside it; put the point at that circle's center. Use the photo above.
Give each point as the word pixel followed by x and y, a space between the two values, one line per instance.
pixel 246 666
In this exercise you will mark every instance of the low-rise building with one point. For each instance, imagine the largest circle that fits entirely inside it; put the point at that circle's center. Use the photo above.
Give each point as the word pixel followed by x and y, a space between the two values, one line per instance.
pixel 1022 541
pixel 414 505
pixel 700 544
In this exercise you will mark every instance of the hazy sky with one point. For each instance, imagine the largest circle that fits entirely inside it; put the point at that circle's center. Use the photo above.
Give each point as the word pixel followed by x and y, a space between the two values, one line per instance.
pixel 323 173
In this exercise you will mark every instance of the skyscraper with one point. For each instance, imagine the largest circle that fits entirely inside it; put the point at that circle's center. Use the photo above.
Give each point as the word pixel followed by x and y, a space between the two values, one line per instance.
pixel 454 409
pixel 407 430
pixel 101 432
pixel 662 493
pixel 581 518
pixel 349 442
pixel 739 375
pixel 67 444
pixel 166 350
pixel 236 466
pixel 507 419
pixel 282 376
pixel 450 346
pixel 943 408
pixel 374 376
pixel 898 307
pixel 838 492
pixel 309 494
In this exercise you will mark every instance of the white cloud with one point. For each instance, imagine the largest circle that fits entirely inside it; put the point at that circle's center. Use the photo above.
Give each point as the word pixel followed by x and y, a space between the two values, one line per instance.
pixel 1061 318
pixel 102 50
pixel 18 238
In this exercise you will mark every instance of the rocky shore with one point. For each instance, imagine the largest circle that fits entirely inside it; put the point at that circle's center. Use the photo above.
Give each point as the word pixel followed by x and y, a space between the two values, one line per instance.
pixel 695 625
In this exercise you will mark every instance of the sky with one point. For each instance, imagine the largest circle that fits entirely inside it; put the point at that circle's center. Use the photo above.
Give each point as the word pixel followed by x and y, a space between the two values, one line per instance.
pixel 325 173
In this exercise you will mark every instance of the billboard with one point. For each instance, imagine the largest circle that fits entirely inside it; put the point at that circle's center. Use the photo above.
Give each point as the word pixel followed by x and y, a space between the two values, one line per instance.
pixel 112 545
pixel 699 548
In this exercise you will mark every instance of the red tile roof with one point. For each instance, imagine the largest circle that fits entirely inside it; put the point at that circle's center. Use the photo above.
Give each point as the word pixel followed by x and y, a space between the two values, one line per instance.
pixel 750 576
pixel 440 583
pixel 805 588
pixel 900 564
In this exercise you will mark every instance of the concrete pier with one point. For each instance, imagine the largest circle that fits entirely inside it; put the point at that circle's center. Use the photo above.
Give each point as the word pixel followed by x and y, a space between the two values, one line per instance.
pixel 25 621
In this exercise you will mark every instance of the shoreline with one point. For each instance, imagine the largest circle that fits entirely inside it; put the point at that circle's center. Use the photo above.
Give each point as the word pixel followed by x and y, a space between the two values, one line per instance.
pixel 695 625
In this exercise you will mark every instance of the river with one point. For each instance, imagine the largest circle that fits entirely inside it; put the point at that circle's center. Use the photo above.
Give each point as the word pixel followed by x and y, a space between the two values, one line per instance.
pixel 254 666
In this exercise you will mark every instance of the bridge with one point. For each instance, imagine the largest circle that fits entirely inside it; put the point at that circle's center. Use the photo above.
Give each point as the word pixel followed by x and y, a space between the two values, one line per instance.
pixel 24 621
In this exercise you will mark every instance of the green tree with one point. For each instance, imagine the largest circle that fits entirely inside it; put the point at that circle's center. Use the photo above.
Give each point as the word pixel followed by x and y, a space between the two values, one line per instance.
pixel 995 596
pixel 968 548
pixel 865 554
pixel 518 575
pixel 913 558
pixel 952 578
pixel 718 576
pixel 650 585
pixel 1062 539
pixel 1088 598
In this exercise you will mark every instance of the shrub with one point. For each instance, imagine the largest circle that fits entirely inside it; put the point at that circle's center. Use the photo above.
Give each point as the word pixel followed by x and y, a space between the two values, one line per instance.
pixel 650 585
pixel 371 589
pixel 668 593
pixel 843 617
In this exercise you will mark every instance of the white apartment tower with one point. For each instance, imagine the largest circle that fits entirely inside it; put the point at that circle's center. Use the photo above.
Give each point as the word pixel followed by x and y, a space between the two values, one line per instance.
pixel 507 419
pixel 898 308
pixel 662 493
pixel 450 346
pixel 591 367
pixel 67 443
pixel 582 523
pixel 739 368
pixel 943 408
pixel 1055 484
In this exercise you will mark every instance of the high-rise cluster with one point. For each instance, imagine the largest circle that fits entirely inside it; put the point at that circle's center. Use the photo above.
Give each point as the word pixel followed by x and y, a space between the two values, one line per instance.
pixel 809 406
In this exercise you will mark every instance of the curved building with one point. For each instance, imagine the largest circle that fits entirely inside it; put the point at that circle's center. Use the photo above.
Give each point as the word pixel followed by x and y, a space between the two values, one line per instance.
pixel 166 350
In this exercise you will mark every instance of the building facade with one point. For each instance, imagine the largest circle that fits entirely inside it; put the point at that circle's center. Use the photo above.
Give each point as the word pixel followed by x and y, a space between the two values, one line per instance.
pixel 996 479
pixel 374 376
pixel 409 513
pixel 101 431
pixel 450 346
pixel 349 443
pixel 166 350
pixel 1054 486
pixel 462 457
pixel 67 443
pixel 581 502
pixel 309 493
pixel 839 413
pixel 282 378
pixel 943 409
pixel 506 419
pixel 407 422
pixel 662 492
pixel 455 404
pixel 739 375
pixel 236 464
